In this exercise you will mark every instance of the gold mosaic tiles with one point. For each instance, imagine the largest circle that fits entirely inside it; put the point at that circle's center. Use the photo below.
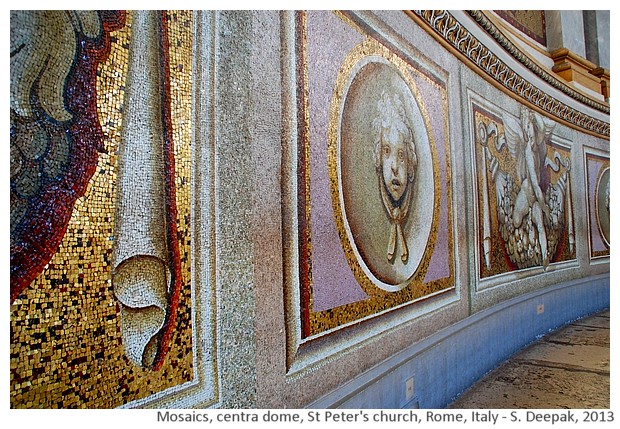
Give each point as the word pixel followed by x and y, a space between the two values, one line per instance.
pixel 66 349
pixel 530 22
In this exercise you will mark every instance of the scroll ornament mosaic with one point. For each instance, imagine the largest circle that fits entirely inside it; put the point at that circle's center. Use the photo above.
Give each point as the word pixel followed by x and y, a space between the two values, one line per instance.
pixel 146 255
pixel 533 209
pixel 55 140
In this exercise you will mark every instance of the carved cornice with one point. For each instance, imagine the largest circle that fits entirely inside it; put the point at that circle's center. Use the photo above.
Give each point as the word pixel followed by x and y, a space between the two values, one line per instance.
pixel 459 39
pixel 603 75
pixel 524 59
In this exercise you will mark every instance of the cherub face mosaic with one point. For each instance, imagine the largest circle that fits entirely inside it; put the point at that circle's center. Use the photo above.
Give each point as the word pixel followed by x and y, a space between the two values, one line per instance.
pixel 68 348
pixel 396 162
pixel 523 191
pixel 376 199
pixel 387 219
pixel 395 156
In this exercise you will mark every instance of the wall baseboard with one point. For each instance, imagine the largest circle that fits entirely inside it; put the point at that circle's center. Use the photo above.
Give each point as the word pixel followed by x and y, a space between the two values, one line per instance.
pixel 434 371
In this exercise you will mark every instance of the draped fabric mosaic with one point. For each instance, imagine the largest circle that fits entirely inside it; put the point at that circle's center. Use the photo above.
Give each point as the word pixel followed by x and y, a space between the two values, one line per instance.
pixel 100 207
pixel 375 220
pixel 524 192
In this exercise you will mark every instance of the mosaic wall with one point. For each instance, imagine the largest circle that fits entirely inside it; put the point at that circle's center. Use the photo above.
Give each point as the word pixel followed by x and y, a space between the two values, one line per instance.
pixel 598 197
pixel 104 312
pixel 100 293
pixel 529 22
pixel 525 208
pixel 375 221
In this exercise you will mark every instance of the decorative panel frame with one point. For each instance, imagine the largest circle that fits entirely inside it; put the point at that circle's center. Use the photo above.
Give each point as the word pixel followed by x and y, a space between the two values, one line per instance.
pixel 79 328
pixel 597 195
pixel 492 157
pixel 316 335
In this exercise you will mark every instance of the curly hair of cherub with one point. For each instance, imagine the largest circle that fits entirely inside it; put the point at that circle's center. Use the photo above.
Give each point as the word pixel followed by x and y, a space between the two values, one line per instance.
pixel 391 114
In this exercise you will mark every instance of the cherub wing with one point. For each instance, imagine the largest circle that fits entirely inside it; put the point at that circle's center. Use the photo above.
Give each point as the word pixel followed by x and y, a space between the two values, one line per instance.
pixel 513 136
pixel 43 47
pixel 54 138
pixel 545 126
